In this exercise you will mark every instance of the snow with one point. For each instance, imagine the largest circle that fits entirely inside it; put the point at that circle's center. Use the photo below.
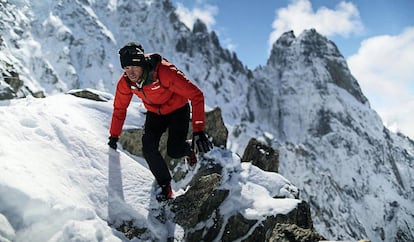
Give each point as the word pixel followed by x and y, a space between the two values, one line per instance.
pixel 59 181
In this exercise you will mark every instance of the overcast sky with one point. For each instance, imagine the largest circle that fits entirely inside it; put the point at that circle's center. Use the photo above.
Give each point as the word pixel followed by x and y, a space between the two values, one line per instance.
pixel 376 38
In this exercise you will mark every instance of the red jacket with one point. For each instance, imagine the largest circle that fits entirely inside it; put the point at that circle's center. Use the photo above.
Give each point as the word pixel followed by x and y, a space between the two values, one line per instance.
pixel 170 90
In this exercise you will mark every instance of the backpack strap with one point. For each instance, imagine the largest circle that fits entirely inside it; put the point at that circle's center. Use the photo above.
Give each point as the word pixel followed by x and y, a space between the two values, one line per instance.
pixel 153 61
pixel 151 70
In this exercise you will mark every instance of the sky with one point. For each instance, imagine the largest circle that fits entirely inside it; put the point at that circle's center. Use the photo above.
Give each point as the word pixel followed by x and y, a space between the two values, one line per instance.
pixel 59 180
pixel 375 37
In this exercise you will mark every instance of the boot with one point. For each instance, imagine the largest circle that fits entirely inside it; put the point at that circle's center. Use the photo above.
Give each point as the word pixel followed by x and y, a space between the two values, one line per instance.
pixel 166 193
pixel 191 160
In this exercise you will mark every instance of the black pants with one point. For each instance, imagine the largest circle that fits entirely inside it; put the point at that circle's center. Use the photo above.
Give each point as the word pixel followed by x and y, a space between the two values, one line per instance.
pixel 177 124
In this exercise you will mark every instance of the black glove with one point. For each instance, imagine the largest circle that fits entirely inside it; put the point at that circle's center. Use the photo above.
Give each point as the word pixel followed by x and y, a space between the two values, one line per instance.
pixel 112 142
pixel 201 143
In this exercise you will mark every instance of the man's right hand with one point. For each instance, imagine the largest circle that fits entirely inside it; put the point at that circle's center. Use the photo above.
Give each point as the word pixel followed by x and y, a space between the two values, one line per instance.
pixel 201 142
pixel 112 142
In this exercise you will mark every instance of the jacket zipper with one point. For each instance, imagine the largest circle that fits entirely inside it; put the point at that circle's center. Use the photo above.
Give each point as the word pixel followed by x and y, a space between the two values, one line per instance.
pixel 149 101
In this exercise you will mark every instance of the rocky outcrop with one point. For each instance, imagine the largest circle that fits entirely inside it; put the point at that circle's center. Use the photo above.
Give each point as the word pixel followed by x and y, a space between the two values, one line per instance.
pixel 88 94
pixel 198 210
pixel 6 92
pixel 294 226
pixel 291 232
pixel 261 155
pixel 12 86
pixel 215 129
pixel 131 141
pixel 200 202
pixel 10 83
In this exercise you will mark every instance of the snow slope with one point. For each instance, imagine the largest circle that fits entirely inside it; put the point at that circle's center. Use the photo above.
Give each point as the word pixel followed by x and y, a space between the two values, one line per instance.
pixel 59 181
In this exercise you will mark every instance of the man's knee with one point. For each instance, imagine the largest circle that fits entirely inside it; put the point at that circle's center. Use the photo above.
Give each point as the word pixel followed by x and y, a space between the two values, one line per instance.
pixel 148 146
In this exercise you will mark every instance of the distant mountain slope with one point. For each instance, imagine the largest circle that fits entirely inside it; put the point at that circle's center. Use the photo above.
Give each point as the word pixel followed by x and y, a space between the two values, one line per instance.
pixel 352 169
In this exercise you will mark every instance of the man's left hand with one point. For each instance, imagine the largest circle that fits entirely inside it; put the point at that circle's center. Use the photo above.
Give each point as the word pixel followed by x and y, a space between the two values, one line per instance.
pixel 112 142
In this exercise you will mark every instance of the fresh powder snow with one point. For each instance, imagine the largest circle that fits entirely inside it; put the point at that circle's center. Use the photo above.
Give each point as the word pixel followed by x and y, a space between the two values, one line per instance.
pixel 59 180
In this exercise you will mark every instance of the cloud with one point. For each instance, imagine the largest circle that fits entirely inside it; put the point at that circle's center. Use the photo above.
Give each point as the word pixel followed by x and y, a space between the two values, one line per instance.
pixel 205 13
pixel 228 43
pixel 383 67
pixel 298 16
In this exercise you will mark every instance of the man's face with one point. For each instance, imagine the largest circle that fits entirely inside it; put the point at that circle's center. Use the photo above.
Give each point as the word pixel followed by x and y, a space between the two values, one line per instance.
pixel 134 73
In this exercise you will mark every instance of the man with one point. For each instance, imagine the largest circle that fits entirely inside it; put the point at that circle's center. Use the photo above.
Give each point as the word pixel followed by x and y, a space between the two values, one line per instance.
pixel 165 92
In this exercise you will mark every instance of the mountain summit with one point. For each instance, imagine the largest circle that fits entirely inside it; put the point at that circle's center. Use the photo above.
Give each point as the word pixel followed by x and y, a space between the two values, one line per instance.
pixel 350 167
pixel 305 103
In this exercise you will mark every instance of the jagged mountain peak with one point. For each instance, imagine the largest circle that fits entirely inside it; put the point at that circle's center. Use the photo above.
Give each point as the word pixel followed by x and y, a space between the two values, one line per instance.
pixel 309 44
pixel 199 27
pixel 324 127
pixel 306 72
pixel 314 52
pixel 285 39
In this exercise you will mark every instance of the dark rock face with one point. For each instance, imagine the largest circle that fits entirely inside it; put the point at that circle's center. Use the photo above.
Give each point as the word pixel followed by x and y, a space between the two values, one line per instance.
pixel 12 86
pixel 6 93
pixel 88 94
pixel 10 83
pixel 200 205
pixel 298 223
pixel 198 212
pixel 292 233
pixel 261 155
pixel 200 202
pixel 215 128
pixel 131 141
